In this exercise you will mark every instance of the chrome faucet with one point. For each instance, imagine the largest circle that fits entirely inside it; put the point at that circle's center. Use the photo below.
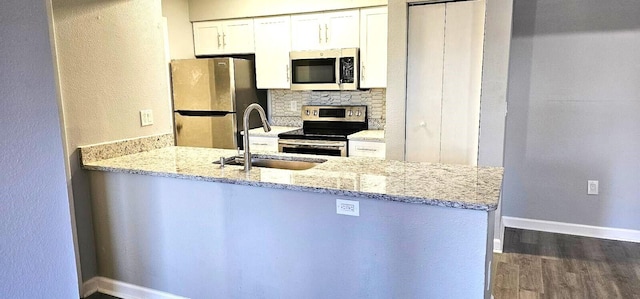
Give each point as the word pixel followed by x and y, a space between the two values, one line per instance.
pixel 245 140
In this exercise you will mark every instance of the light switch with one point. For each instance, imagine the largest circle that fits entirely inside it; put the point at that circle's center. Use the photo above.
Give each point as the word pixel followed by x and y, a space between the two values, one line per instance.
pixel 146 117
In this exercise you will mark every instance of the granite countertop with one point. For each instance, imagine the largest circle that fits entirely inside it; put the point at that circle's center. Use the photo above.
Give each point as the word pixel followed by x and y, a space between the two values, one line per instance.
pixel 455 186
pixel 368 135
pixel 275 130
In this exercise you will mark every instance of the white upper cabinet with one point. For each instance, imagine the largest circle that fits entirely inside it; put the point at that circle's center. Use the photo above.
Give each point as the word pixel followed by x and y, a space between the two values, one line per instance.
pixel 223 37
pixel 330 30
pixel 273 43
pixel 373 47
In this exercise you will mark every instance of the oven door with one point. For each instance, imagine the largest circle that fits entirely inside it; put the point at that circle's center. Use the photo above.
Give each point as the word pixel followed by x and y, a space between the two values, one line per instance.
pixel 313 147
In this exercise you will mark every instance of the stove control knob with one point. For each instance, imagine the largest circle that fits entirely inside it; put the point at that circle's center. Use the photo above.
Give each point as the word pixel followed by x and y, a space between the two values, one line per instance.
pixel 350 112
pixel 358 113
pixel 307 112
pixel 315 112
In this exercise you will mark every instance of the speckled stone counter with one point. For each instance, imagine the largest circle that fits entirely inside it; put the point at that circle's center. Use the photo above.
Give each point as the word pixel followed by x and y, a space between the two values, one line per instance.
pixel 455 186
pixel 368 135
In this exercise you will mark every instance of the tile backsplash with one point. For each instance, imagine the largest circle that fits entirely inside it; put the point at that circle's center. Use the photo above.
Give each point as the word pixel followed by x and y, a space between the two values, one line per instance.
pixel 281 114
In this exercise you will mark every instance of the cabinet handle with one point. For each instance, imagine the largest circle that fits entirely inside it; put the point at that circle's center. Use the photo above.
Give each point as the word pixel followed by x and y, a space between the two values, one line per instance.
pixel 288 78
pixel 224 42
pixel 259 144
pixel 218 40
pixel 326 33
pixel 366 149
pixel 319 33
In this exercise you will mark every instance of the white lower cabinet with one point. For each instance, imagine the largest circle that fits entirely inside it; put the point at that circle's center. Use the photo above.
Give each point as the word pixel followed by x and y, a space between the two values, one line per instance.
pixel 370 149
pixel 263 144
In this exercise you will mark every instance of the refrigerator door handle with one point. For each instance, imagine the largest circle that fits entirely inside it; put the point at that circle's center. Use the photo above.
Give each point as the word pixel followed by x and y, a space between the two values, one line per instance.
pixel 203 113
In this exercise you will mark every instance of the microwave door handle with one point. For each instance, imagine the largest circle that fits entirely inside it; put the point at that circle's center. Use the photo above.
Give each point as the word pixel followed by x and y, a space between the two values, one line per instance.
pixel 288 78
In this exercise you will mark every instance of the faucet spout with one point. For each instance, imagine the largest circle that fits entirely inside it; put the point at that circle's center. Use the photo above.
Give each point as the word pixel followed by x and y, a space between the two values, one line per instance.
pixel 245 123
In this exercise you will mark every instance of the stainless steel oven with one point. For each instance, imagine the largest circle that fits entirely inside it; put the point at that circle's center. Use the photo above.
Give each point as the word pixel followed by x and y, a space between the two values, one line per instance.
pixel 313 147
pixel 324 130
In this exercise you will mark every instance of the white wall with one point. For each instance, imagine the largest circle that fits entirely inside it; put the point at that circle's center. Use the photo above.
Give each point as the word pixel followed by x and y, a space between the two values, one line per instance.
pixel 214 240
pixel 36 247
pixel 201 10
pixel 180 30
pixel 574 103
pixel 111 64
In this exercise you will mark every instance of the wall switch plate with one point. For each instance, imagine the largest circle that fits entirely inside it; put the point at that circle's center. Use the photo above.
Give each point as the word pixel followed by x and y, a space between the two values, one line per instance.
pixel 146 117
pixel 592 187
pixel 347 207
pixel 293 106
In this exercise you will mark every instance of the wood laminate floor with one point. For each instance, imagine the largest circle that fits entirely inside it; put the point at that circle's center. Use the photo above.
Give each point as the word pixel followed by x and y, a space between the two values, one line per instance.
pixel 547 265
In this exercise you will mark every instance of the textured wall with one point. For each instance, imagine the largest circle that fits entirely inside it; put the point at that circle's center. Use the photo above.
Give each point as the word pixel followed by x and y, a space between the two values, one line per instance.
pixel 574 100
pixel 214 240
pixel 36 246
pixel 111 64
pixel 201 10
pixel 281 99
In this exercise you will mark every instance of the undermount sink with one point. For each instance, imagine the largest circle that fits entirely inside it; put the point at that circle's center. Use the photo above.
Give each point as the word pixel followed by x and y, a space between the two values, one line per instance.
pixel 290 163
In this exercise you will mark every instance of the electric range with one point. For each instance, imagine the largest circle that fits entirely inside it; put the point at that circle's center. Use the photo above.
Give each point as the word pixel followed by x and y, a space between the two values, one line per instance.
pixel 324 130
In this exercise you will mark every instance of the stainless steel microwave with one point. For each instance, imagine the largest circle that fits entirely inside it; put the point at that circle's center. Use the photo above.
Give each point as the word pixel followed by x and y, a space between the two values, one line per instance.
pixel 333 69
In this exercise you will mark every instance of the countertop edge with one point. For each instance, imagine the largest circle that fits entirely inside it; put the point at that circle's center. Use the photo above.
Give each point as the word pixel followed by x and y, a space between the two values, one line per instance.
pixel 339 192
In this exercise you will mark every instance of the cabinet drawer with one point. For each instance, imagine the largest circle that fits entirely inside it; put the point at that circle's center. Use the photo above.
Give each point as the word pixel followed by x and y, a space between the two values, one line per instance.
pixel 263 144
pixel 367 149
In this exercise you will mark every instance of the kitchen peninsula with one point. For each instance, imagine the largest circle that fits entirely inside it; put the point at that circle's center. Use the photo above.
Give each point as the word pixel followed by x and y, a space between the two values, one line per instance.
pixel 168 219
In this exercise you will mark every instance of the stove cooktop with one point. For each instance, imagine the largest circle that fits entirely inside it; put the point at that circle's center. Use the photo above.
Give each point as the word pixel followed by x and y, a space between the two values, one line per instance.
pixel 333 123
pixel 334 134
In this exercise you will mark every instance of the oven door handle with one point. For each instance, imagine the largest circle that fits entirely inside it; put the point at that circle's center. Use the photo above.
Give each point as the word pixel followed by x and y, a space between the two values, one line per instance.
pixel 336 144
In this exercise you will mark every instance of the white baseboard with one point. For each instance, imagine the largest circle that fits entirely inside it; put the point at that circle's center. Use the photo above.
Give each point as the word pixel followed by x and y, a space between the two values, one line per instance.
pixel 619 234
pixel 122 290
pixel 497 246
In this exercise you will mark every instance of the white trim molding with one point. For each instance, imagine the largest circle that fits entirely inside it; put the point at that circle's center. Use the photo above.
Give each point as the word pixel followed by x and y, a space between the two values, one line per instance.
pixel 619 234
pixel 122 290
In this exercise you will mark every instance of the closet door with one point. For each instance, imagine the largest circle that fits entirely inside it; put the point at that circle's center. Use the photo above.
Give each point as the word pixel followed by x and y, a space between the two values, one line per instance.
pixel 462 79
pixel 425 62
pixel 444 73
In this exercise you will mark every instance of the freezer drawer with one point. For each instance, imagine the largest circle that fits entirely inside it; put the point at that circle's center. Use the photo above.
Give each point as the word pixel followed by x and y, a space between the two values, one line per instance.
pixel 206 131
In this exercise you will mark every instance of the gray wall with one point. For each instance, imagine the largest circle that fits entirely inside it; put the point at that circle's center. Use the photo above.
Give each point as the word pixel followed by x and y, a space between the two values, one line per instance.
pixel 36 248
pixel 213 240
pixel 574 112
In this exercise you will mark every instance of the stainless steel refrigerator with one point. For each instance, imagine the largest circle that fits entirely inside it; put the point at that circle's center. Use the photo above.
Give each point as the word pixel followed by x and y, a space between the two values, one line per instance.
pixel 209 99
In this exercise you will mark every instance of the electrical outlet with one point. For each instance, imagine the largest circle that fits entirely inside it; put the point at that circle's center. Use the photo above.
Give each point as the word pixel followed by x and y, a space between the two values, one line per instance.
pixel 347 207
pixel 592 187
pixel 146 117
pixel 293 106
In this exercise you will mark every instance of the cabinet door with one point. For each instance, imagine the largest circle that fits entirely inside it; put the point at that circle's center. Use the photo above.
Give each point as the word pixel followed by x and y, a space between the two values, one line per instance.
pixel 373 47
pixel 237 37
pixel 273 43
pixel 342 29
pixel 366 149
pixel 307 32
pixel 207 38
pixel 463 45
pixel 424 82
